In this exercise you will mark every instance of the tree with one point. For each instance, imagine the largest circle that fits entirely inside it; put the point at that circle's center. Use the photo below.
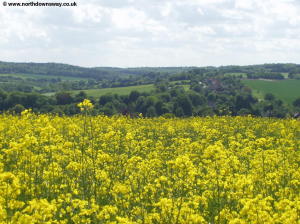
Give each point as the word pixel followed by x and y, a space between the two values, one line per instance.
pixel 80 96
pixel 296 102
pixel 106 98
pixel 179 112
pixel 18 108
pixel 269 97
pixel 151 112
pixel 161 87
pixel 159 107
pixel 197 99
pixel 185 104
pixel 197 88
pixel 3 96
pixel 244 102
pixel 30 100
pixel 243 112
pixel 141 105
pixel 63 98
pixel 108 109
pixel 14 98
pixel 71 109
pixel 133 96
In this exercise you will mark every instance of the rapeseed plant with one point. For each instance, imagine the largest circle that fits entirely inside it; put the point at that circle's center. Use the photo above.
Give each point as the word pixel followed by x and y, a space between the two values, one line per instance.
pixel 98 169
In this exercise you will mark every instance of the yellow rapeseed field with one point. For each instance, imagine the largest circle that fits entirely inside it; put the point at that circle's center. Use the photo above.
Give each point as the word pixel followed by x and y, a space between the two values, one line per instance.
pixel 98 169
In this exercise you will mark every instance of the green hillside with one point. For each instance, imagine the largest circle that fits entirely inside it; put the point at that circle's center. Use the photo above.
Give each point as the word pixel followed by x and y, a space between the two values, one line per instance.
pixel 286 90
pixel 39 76
pixel 118 90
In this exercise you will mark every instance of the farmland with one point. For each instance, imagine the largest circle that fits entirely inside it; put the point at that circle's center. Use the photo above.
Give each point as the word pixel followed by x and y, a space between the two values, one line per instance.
pixel 117 90
pixel 202 91
pixel 85 169
pixel 286 90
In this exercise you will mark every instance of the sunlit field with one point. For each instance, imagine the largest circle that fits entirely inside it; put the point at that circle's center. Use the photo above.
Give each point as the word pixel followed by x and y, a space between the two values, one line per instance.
pixel 285 90
pixel 87 169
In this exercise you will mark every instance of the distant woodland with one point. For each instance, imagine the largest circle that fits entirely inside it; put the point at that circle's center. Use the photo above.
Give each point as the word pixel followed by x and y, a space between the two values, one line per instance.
pixel 175 91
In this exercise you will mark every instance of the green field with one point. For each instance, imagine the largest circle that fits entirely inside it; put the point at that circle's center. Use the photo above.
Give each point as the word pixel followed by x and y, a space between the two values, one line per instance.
pixel 37 76
pixel 286 90
pixel 285 74
pixel 118 90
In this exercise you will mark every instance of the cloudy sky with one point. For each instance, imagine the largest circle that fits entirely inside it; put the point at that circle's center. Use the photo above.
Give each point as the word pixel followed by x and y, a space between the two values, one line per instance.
pixel 130 33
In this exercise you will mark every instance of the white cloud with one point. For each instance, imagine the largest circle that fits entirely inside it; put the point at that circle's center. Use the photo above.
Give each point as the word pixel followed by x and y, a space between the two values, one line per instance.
pixel 166 9
pixel 20 25
pixel 244 4
pixel 128 18
pixel 153 32
pixel 88 13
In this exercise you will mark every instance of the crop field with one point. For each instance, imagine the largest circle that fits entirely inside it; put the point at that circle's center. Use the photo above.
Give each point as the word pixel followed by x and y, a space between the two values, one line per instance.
pixel 118 90
pixel 86 169
pixel 286 90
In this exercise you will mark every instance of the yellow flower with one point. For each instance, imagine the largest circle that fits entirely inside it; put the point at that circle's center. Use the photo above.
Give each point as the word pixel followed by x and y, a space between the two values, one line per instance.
pixel 121 170
pixel 85 105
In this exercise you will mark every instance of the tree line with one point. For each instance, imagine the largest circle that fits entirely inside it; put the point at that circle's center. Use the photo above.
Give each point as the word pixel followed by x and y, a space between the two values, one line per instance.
pixel 206 95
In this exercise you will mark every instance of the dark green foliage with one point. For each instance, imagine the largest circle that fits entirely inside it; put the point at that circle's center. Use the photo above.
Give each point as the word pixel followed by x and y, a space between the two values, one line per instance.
pixel 133 96
pixel 178 111
pixel 265 75
pixel 244 101
pixel 160 108
pixel 151 112
pixel 63 98
pixel 106 99
pixel 17 109
pixel 3 97
pixel 243 112
pixel 80 96
pixel 197 99
pixel 178 91
pixel 183 106
pixel 296 103
pixel 269 97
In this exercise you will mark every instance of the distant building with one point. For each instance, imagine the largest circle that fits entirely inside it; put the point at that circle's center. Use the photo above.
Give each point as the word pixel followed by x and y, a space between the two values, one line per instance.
pixel 297 115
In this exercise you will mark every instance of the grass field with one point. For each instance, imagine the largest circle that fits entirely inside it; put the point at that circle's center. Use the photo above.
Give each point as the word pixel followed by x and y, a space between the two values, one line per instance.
pixel 117 90
pixel 36 76
pixel 285 74
pixel 286 90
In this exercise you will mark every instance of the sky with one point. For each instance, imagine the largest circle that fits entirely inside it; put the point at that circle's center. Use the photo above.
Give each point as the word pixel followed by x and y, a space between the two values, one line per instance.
pixel 159 33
